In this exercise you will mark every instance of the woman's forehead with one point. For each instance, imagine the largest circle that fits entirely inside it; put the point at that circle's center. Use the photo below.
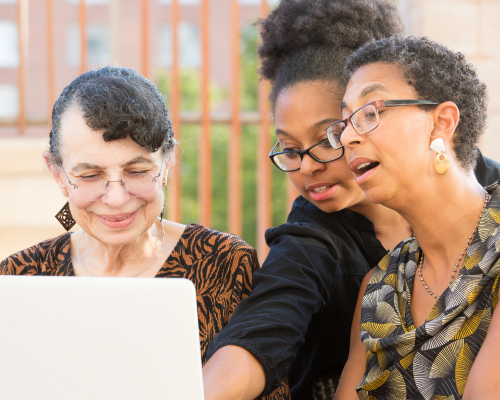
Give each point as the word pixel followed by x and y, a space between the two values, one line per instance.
pixel 81 144
pixel 306 103
pixel 382 80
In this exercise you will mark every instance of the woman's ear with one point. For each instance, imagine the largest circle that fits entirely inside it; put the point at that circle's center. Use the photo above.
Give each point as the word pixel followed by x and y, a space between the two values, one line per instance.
pixel 56 172
pixel 446 116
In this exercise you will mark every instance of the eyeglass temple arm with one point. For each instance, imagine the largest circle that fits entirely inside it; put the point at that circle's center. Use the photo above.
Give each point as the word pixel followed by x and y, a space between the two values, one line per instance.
pixel 393 103
pixel 161 169
pixel 67 177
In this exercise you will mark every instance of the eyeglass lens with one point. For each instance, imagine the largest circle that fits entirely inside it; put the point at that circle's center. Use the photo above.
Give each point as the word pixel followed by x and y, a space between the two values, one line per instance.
pixel 363 120
pixel 290 160
pixel 135 184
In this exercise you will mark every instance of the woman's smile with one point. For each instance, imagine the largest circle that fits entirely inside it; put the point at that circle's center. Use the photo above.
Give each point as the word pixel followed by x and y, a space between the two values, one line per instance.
pixel 117 221
pixel 321 191
pixel 363 168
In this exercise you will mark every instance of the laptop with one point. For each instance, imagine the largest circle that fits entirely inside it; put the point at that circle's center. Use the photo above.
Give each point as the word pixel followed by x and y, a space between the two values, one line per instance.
pixel 67 338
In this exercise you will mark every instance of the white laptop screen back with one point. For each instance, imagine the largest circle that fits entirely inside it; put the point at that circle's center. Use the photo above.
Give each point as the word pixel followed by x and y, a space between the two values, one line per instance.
pixel 98 338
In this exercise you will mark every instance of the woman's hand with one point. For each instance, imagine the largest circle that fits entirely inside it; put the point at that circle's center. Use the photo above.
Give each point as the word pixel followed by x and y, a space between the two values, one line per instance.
pixel 356 364
pixel 233 373
pixel 483 377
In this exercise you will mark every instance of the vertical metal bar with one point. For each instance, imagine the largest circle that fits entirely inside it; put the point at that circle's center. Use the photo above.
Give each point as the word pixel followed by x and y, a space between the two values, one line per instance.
pixel 175 192
pixel 114 23
pixel 50 58
pixel 145 38
pixel 291 195
pixel 22 23
pixel 83 37
pixel 205 166
pixel 234 159
pixel 264 198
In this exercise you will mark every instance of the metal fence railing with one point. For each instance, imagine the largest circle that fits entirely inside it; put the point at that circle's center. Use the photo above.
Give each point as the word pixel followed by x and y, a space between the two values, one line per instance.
pixel 233 116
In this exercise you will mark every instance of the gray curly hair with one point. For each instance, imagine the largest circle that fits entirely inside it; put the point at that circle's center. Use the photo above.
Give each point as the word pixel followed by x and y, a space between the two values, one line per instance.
pixel 437 74
pixel 121 102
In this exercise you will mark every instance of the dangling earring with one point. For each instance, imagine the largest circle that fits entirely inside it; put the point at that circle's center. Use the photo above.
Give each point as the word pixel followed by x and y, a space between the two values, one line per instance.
pixel 65 218
pixel 441 162
pixel 163 209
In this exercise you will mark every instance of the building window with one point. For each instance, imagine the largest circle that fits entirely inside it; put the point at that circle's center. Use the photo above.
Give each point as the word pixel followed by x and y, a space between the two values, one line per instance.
pixel 9 101
pixel 9 45
pixel 189 45
pixel 165 46
pixel 271 3
pixel 89 2
pixel 181 2
pixel 98 45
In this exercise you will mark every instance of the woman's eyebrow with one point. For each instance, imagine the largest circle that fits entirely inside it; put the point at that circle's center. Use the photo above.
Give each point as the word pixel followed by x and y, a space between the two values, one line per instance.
pixel 84 166
pixel 373 88
pixel 138 160
pixel 282 132
pixel 366 91
pixel 323 122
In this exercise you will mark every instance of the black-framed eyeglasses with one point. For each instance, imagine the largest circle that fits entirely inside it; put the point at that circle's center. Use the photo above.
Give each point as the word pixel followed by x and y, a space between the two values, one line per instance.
pixel 291 160
pixel 365 119
pixel 136 184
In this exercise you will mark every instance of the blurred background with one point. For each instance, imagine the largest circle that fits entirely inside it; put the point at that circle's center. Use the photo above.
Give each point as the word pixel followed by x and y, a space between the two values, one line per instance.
pixel 202 55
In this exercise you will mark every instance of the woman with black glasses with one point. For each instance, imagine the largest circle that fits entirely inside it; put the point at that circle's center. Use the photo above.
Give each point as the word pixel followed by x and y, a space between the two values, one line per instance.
pixel 296 323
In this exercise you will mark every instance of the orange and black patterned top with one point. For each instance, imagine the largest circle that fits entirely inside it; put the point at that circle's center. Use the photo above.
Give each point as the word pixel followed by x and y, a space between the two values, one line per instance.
pixel 219 264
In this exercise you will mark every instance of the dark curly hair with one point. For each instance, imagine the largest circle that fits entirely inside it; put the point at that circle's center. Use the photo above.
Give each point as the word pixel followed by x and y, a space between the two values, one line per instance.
pixel 439 75
pixel 310 40
pixel 120 101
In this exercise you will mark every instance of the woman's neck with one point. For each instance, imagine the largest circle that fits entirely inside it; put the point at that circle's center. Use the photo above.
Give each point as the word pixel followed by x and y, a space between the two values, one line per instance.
pixel 444 217
pixel 126 260
pixel 390 227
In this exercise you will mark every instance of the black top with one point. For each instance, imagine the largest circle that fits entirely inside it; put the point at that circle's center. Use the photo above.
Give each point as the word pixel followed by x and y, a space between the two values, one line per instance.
pixel 297 321
pixel 303 297
pixel 487 171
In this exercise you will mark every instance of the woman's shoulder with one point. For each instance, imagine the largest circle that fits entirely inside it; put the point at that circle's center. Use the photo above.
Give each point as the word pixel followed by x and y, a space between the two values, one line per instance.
pixel 217 247
pixel 196 235
pixel 42 258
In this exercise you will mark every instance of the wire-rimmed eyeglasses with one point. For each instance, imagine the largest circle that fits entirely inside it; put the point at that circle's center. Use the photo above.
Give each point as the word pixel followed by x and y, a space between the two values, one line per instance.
pixel 136 184
pixel 291 160
pixel 365 119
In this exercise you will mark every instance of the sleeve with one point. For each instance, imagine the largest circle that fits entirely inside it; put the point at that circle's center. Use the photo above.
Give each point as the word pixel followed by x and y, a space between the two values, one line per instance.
pixel 487 171
pixel 40 259
pixel 292 285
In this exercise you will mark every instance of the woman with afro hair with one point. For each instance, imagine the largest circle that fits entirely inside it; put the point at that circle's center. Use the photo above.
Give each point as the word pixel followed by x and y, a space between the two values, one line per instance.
pixel 296 324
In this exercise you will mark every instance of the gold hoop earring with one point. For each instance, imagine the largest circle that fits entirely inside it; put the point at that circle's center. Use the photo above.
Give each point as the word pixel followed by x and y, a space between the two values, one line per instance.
pixel 441 162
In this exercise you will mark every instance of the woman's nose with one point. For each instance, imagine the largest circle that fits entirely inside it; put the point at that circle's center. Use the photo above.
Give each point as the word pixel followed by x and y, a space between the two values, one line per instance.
pixel 309 166
pixel 350 137
pixel 116 193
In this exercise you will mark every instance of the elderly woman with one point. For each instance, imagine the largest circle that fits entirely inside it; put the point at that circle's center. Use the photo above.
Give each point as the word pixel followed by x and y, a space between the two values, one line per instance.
pixel 426 324
pixel 111 147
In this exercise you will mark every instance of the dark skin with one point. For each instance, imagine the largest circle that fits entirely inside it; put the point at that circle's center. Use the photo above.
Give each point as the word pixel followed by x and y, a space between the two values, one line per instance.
pixel 403 138
pixel 302 114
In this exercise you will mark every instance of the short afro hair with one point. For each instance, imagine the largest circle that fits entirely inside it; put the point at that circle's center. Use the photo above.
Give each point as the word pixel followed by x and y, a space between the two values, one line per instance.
pixel 438 75
pixel 119 101
pixel 310 40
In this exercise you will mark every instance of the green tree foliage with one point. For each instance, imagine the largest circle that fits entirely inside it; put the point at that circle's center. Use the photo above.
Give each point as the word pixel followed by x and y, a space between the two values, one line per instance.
pixel 190 134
